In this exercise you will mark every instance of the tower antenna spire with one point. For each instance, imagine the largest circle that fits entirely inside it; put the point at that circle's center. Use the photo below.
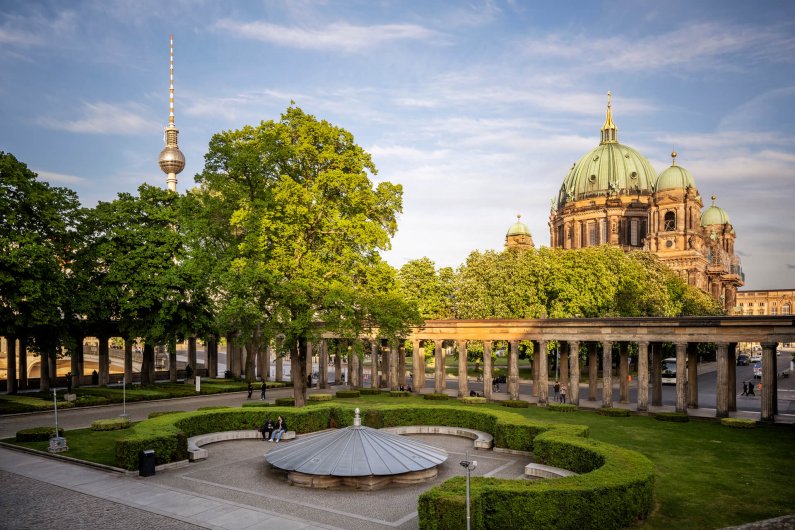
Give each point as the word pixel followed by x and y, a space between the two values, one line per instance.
pixel 172 161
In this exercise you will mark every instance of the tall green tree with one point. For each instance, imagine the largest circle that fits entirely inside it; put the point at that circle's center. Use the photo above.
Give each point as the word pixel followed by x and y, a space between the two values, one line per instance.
pixel 430 290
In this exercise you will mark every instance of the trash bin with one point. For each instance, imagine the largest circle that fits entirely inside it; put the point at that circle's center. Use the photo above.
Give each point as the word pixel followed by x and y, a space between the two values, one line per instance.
pixel 146 463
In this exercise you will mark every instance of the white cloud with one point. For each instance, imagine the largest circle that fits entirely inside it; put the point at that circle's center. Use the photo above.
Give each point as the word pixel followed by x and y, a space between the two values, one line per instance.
pixel 338 36
pixel 60 178
pixel 105 118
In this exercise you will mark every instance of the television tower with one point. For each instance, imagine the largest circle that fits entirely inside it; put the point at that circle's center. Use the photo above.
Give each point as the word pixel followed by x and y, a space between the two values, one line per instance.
pixel 172 161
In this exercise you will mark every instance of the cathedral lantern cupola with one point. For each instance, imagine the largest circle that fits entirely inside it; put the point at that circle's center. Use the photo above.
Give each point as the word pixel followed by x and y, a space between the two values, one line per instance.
pixel 519 235
pixel 171 160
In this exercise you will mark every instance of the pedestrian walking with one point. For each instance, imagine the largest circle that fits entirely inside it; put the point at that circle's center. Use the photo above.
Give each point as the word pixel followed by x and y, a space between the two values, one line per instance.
pixel 250 390
pixel 564 389
pixel 262 391
pixel 557 391
pixel 745 388
pixel 751 389
pixel 68 382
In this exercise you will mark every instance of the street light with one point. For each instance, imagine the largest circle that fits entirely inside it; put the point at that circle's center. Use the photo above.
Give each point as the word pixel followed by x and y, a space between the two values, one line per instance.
pixel 469 465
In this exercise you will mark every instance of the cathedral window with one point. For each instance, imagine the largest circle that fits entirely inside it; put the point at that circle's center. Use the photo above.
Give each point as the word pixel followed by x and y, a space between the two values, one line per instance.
pixel 670 222
pixel 633 235
pixel 593 236
pixel 603 230
pixel 785 309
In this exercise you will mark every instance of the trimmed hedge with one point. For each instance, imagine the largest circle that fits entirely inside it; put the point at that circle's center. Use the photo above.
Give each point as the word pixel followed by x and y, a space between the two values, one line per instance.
pixel 436 397
pixel 515 403
pixel 399 393
pixel 112 424
pixel 158 413
pixel 285 402
pixel 38 434
pixel 369 391
pixel 215 407
pixel 255 404
pixel 319 397
pixel 613 490
pixel 615 412
pixel 472 400
pixel 739 423
pixel 344 394
pixel 562 407
pixel 676 417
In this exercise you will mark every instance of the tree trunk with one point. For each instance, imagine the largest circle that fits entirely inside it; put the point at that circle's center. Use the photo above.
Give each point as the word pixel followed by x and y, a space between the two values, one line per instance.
pixel 253 347
pixel 298 371
pixel 148 365
pixel 44 372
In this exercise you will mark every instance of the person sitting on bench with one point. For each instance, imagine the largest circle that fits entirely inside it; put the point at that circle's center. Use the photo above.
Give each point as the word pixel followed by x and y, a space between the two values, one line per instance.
pixel 267 429
pixel 279 430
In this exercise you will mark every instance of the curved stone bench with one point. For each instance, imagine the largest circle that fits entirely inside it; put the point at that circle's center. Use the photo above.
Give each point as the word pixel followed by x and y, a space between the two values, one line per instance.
pixel 542 471
pixel 483 440
pixel 195 443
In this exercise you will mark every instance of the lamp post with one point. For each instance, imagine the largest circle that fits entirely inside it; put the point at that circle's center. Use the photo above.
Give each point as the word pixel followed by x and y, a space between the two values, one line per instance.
pixel 469 465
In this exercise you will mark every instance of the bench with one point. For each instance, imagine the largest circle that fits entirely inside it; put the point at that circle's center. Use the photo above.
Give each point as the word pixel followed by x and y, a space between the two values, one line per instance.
pixel 542 471
pixel 195 443
pixel 483 440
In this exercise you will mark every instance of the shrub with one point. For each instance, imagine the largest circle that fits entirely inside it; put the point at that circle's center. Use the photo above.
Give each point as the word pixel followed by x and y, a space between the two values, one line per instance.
pixel 435 396
pixel 348 394
pixel 112 424
pixel 256 404
pixel 613 411
pixel 369 391
pixel 562 407
pixel 158 413
pixel 90 401
pixel 739 423
pixel 285 402
pixel 515 403
pixel 471 400
pixel 677 417
pixel 38 434
pixel 318 397
pixel 215 407
pixel 399 393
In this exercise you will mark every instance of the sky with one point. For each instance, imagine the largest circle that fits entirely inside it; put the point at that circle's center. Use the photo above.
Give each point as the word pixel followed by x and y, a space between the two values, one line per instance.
pixel 478 108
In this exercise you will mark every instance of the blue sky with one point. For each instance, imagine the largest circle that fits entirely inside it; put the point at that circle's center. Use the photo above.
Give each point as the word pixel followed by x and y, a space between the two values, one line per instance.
pixel 477 108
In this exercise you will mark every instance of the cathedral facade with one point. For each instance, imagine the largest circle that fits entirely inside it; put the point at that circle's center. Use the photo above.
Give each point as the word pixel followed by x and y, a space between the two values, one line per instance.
pixel 613 196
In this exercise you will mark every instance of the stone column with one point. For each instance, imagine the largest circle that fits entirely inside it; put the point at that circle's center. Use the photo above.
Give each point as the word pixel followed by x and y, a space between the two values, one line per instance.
pixel 534 367
pixel 418 364
pixel 769 391
pixel 487 377
pixel 681 377
pixel 607 373
pixel 212 356
pixel 401 363
pixel 353 369
pixel 310 350
pixel 692 375
pixel 643 376
pixel 323 364
pixel 593 367
pixel 732 382
pixel 374 378
pixel 543 375
pixel 171 347
pixel 128 361
pixel 513 370
pixel 74 361
pixel 104 361
pixel 393 365
pixel 623 372
pixel 574 372
pixel 656 374
pixel 463 382
pixel 438 371
pixel 279 368
pixel 338 366
pixel 360 368
pixel 192 353
pixel 722 385
pixel 563 362
pixel 11 367
pixel 266 368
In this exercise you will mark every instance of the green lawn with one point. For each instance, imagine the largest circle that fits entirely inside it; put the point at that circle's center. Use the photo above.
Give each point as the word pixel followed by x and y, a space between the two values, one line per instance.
pixel 707 475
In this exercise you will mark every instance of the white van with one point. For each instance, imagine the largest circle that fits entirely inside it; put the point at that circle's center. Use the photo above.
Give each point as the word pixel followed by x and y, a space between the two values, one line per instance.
pixel 669 371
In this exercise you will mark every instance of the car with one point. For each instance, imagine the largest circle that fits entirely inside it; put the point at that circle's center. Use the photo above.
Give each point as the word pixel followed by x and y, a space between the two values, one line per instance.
pixel 756 357
pixel 742 360
pixel 758 370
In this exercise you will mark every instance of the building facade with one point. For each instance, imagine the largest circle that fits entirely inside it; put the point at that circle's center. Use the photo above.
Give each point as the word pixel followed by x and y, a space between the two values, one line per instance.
pixel 613 196
pixel 769 302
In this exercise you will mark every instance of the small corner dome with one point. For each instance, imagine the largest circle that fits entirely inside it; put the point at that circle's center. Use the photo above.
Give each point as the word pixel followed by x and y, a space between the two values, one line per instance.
pixel 518 228
pixel 675 177
pixel 715 215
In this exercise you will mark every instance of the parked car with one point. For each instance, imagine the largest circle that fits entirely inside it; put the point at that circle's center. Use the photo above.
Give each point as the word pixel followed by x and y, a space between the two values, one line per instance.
pixel 758 370
pixel 756 358
pixel 742 360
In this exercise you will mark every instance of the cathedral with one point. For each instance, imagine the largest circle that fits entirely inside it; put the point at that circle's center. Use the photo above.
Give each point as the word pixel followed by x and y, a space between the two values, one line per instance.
pixel 613 196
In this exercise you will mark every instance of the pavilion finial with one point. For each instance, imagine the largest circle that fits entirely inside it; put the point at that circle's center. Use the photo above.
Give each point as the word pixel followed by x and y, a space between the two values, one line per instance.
pixel 609 129
pixel 673 156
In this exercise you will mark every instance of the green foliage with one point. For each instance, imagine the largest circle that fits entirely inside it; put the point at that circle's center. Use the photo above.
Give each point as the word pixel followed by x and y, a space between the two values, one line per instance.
pixel 256 404
pixel 347 394
pixel 37 434
pixel 515 403
pixel 320 397
pixel 739 423
pixel 158 413
pixel 284 402
pixel 562 407
pixel 215 407
pixel 399 393
pixel 112 424
pixel 676 417
pixel 472 400
pixel 436 397
pixel 615 412
pixel 429 290
pixel 12 404
pixel 369 391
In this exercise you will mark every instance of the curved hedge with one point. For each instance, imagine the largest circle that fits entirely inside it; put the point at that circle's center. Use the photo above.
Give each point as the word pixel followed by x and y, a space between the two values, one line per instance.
pixel 613 490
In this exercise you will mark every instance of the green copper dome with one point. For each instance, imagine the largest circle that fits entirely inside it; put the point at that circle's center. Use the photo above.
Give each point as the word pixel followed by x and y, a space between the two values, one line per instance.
pixel 518 228
pixel 675 177
pixel 714 215
pixel 609 169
